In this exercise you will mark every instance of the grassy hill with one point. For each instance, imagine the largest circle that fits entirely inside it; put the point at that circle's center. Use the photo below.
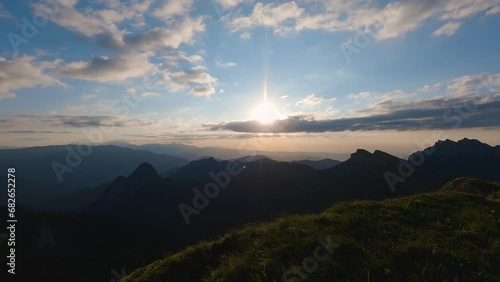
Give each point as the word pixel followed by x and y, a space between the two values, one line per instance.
pixel 449 235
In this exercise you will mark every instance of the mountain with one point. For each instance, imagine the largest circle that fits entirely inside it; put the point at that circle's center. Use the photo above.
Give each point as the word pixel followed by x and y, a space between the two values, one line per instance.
pixel 466 158
pixel 265 188
pixel 192 153
pixel 442 236
pixel 321 164
pixel 261 190
pixel 80 166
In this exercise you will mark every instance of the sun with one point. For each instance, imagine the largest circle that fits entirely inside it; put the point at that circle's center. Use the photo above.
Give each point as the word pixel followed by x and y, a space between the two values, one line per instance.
pixel 265 113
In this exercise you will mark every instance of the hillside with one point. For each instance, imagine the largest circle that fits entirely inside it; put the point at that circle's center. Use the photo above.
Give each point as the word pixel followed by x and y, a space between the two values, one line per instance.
pixel 441 236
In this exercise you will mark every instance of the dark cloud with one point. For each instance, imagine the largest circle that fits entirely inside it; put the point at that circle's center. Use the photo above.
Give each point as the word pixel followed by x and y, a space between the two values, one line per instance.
pixel 437 113
pixel 80 121
pixel 38 132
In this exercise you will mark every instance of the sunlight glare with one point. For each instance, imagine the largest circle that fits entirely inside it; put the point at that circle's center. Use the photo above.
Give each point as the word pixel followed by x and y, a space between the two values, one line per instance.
pixel 265 113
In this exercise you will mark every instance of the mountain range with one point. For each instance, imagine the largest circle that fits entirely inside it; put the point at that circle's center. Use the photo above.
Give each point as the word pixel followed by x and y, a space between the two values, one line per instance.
pixel 141 204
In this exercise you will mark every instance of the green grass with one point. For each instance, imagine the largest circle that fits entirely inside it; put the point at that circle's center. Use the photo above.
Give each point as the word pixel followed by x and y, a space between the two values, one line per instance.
pixel 430 237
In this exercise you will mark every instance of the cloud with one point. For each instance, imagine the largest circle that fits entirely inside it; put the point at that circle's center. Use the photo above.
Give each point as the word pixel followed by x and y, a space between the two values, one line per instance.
pixel 89 96
pixel 246 36
pixel 149 94
pixel 3 13
pixel 447 30
pixel 227 65
pixel 105 23
pixel 494 10
pixel 164 38
pixel 362 96
pixel 204 91
pixel 477 83
pixel 398 94
pixel 430 88
pixel 181 80
pixel 391 20
pixel 477 105
pixel 105 69
pixel 181 56
pixel 23 72
pixel 269 15
pixel 313 100
pixel 37 132
pixel 88 21
pixel 408 117
pixel 231 3
pixel 81 120
pixel 172 8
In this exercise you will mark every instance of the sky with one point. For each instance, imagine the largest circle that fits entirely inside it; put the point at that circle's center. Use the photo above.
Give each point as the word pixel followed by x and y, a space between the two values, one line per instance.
pixel 305 75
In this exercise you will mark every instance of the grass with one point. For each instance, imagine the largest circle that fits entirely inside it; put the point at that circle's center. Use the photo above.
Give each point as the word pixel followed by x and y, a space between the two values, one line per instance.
pixel 439 236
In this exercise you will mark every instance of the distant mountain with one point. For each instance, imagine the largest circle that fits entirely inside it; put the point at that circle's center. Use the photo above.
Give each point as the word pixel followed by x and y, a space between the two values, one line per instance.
pixel 102 164
pixel 247 159
pixel 321 164
pixel 190 152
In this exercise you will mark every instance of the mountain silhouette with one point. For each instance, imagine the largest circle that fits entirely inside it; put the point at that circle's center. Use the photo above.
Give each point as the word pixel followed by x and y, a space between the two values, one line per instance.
pixel 321 164
pixel 265 188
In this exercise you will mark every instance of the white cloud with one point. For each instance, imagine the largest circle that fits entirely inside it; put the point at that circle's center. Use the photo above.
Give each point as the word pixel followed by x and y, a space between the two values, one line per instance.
pixel 362 96
pixel 105 22
pixel 266 15
pixel 181 80
pixel 430 88
pixel 88 21
pixel 231 3
pixel 171 8
pixel 23 72
pixel 227 65
pixel 89 96
pixel 447 30
pixel 393 20
pixel 181 56
pixel 149 94
pixel 246 35
pixel 474 84
pixel 398 94
pixel 313 100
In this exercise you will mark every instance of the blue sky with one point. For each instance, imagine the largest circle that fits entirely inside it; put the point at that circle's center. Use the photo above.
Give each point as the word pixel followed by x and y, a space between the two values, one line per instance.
pixel 335 72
